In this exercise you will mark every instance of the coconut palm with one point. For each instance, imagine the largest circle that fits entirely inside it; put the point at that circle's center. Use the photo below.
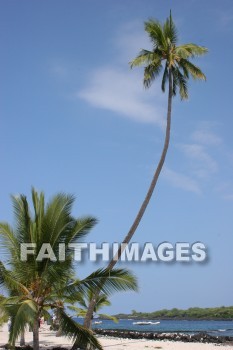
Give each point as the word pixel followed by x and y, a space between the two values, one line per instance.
pixel 174 62
pixel 37 286
pixel 84 301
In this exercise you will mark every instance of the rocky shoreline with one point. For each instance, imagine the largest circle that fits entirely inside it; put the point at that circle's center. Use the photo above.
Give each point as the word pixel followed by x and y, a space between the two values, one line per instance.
pixel 201 337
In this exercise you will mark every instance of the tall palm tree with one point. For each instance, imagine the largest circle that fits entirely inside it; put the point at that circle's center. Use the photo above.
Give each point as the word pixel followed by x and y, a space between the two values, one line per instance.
pixel 35 287
pixel 174 62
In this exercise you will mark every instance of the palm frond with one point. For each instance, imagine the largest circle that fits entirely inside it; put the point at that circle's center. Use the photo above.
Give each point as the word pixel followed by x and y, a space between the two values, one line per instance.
pixel 81 298
pixel 105 280
pixel 165 78
pixel 57 217
pixel 10 242
pixel 144 57
pixel 8 280
pixel 151 72
pixel 185 71
pixel 4 314
pixel 46 315
pixel 174 82
pixel 79 312
pixel 21 315
pixel 79 334
pixel 55 274
pixel 170 30
pixel 109 317
pixel 155 31
pixel 190 50
pixel 39 207
pixel 101 301
pixel 81 228
pixel 189 67
pixel 22 218
pixel 181 82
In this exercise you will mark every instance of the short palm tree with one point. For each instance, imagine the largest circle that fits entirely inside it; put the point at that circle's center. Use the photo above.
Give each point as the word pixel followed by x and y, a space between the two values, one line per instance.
pixel 35 287
pixel 84 301
pixel 174 62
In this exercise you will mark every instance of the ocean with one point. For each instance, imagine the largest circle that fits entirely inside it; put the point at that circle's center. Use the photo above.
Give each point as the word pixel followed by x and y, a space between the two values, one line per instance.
pixel 216 328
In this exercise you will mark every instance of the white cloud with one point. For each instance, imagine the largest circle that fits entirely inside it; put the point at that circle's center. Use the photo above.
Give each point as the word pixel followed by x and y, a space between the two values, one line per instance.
pixel 206 137
pixel 122 92
pixel 119 89
pixel 201 162
pixel 181 181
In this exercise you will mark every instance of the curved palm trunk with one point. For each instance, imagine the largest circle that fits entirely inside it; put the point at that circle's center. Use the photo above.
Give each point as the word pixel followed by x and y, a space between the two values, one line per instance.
pixel 36 334
pixel 87 321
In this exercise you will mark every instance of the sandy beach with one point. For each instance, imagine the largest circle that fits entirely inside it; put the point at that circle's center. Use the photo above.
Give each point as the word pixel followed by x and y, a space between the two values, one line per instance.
pixel 48 340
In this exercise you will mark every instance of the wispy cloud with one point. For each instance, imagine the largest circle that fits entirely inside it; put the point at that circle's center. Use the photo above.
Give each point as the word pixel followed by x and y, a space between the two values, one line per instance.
pixel 182 181
pixel 118 89
pixel 206 137
pixel 207 161
pixel 201 162
pixel 121 92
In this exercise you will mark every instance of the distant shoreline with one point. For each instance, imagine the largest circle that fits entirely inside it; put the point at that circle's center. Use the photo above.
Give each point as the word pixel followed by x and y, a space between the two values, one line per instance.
pixel 170 318
pixel 223 313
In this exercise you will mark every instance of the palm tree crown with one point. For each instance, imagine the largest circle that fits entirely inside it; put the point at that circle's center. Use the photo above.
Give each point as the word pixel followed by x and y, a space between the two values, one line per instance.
pixel 169 57
pixel 37 286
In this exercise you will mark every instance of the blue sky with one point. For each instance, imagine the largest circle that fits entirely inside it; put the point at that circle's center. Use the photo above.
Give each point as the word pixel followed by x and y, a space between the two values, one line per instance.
pixel 75 118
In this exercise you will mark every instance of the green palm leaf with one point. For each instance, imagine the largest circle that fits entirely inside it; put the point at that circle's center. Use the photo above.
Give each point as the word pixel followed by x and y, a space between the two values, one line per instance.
pixel 79 334
pixel 156 34
pixel 151 71
pixel 170 31
pixel 145 57
pixel 182 83
pixel 165 78
pixel 191 50
pixel 105 280
pixel 109 317
pixel 189 67
pixel 79 312
pixel 20 316
pixel 10 243
pixel 8 280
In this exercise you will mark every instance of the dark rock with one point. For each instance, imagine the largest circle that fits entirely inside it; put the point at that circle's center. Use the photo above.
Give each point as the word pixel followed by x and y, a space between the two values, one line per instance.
pixel 201 337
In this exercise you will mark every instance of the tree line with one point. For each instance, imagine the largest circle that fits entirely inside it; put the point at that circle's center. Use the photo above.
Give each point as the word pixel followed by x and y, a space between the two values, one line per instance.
pixel 216 313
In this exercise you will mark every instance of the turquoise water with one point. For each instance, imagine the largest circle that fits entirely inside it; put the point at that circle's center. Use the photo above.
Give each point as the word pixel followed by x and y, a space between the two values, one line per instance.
pixel 216 328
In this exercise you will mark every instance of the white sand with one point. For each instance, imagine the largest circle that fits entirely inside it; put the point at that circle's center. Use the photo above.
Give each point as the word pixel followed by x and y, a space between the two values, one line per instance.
pixel 48 339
